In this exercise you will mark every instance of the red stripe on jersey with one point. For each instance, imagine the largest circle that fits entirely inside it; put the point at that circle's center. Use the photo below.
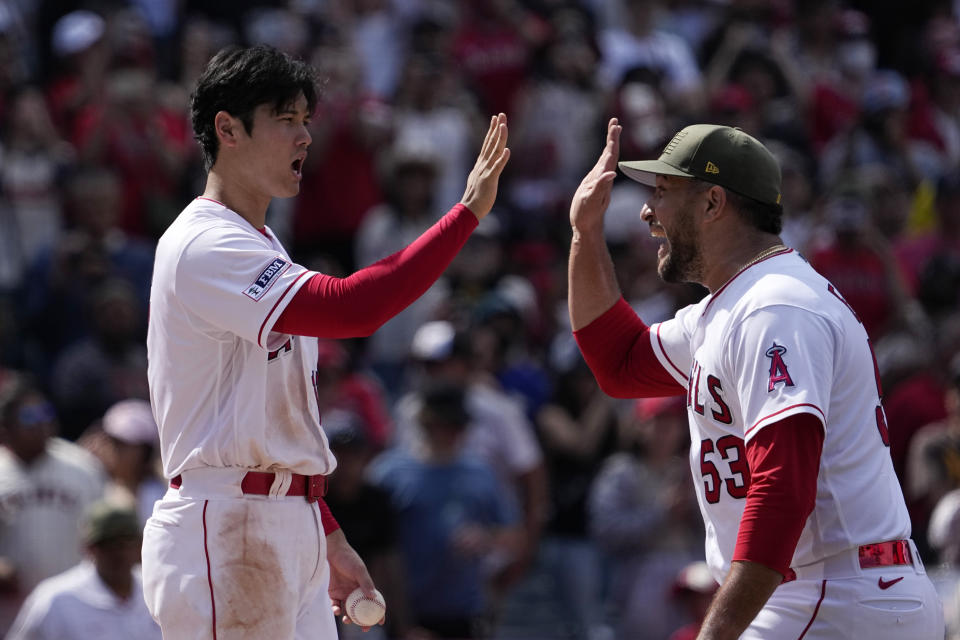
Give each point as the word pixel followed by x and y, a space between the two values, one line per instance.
pixel 212 200
pixel 618 349
pixel 667 356
pixel 793 406
pixel 816 610
pixel 784 461
pixel 206 556
pixel 285 291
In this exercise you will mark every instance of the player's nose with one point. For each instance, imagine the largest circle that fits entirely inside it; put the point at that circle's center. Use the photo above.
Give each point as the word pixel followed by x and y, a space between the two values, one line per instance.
pixel 646 213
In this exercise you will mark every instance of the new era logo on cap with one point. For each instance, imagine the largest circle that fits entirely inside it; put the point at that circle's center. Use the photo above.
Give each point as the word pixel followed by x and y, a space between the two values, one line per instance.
pixel 712 168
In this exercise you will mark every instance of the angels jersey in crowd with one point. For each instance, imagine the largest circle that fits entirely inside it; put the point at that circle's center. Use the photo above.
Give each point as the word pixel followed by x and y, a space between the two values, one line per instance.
pixel 226 391
pixel 774 341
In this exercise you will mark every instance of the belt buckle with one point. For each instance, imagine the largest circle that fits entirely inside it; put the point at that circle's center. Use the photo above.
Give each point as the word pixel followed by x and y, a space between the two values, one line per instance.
pixel 316 487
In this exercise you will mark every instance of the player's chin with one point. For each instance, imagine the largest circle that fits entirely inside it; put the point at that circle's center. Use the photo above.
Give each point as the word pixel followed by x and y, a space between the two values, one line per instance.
pixel 288 190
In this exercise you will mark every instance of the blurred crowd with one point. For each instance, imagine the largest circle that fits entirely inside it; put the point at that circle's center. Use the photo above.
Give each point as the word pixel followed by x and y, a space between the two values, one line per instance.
pixel 571 514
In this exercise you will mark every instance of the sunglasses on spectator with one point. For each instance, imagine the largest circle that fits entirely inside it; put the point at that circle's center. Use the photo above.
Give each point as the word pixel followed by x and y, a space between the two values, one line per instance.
pixel 35 414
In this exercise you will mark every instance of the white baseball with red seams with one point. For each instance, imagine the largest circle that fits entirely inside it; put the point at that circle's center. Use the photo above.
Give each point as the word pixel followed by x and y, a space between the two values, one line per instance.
pixel 363 610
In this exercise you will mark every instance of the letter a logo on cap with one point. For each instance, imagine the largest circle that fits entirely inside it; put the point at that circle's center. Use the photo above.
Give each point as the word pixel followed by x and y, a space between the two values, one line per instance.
pixel 712 168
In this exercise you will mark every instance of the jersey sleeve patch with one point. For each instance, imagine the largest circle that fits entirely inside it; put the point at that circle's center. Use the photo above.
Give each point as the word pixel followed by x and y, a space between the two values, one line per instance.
pixel 276 268
pixel 778 368
pixel 781 359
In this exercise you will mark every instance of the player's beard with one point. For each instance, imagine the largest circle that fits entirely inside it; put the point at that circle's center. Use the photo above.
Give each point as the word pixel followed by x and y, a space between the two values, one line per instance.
pixel 683 263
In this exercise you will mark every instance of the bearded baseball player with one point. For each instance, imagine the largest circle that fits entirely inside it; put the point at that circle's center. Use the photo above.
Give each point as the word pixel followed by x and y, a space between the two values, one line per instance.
pixel 806 528
pixel 242 545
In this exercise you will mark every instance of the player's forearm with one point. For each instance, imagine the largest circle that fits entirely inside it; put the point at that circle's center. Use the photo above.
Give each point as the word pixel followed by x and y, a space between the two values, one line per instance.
pixel 741 597
pixel 593 287
pixel 356 306
pixel 617 347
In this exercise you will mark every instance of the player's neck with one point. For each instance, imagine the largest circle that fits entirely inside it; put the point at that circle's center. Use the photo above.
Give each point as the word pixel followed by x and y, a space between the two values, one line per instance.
pixel 728 259
pixel 119 583
pixel 237 196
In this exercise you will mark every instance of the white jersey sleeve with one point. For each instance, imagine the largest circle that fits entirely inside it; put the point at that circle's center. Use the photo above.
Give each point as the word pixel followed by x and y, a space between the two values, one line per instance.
pixel 236 282
pixel 778 358
pixel 671 342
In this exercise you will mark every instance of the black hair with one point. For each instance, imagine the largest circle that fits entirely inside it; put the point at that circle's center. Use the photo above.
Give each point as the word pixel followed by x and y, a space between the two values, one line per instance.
pixel 765 217
pixel 238 80
pixel 761 215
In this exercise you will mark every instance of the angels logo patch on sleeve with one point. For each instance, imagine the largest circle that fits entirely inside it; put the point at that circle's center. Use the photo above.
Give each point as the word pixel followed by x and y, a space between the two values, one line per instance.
pixel 267 277
pixel 778 368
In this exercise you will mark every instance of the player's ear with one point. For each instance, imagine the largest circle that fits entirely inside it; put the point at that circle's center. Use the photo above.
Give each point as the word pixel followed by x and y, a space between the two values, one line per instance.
pixel 714 203
pixel 227 127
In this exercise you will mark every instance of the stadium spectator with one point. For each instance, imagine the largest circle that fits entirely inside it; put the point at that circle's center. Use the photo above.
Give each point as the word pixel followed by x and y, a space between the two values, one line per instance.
pixel 409 174
pixel 45 485
pixel 126 442
pixel 642 515
pixel 694 588
pixel 498 432
pixel 456 524
pixel 342 387
pixel 367 516
pixel 108 366
pixel 33 159
pixel 99 598
pixel 577 428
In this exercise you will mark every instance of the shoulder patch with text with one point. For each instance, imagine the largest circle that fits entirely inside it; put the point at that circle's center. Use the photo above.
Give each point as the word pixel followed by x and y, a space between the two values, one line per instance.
pixel 267 277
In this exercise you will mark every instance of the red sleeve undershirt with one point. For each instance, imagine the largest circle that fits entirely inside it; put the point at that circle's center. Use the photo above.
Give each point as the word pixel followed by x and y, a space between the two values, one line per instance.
pixel 330 523
pixel 356 306
pixel 784 460
pixel 617 348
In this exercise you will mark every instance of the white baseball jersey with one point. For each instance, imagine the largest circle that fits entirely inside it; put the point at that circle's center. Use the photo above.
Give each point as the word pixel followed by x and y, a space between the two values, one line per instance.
pixel 76 605
pixel 226 390
pixel 41 506
pixel 774 341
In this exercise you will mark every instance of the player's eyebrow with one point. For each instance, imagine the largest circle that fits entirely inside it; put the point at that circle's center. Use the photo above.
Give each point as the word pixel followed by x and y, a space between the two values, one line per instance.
pixel 290 108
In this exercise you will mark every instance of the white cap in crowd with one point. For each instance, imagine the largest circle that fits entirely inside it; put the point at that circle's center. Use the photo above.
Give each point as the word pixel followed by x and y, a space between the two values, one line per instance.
pixel 76 31
pixel 433 341
pixel 131 421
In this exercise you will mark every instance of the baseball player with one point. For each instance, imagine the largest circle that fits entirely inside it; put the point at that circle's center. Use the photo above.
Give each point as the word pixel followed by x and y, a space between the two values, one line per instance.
pixel 806 528
pixel 242 545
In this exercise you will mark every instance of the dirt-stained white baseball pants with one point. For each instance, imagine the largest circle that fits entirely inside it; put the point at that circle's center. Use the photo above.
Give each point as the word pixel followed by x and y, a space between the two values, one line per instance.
pixel 221 565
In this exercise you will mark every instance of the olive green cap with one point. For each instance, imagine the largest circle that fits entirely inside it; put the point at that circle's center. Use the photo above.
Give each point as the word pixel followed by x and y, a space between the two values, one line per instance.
pixel 725 156
pixel 106 520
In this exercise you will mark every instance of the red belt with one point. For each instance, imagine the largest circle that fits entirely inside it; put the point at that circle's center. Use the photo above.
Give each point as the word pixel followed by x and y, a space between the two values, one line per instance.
pixel 880 554
pixel 259 483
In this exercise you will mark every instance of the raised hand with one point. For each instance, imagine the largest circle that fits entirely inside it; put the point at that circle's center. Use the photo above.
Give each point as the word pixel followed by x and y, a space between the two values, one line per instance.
pixel 593 195
pixel 482 183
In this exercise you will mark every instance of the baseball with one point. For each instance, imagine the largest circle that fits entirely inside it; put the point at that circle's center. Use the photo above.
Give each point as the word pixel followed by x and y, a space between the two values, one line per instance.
pixel 365 611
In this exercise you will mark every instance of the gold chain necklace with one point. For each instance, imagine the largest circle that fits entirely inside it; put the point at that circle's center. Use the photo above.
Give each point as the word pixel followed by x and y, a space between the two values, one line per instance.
pixel 766 253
